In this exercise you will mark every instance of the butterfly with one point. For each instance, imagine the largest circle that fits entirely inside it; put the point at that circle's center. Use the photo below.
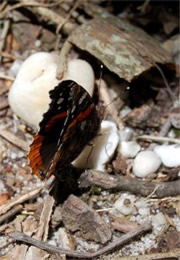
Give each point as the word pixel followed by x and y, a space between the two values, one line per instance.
pixel 66 128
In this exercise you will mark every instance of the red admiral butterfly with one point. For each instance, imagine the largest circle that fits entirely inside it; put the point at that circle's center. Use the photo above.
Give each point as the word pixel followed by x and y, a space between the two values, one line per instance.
pixel 69 124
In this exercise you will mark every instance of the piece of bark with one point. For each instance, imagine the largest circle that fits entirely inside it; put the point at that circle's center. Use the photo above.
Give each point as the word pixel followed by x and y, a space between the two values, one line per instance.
pixel 45 218
pixel 122 224
pixel 120 165
pixel 124 49
pixel 138 117
pixel 144 188
pixel 43 228
pixel 64 239
pixel 172 239
pixel 78 216
pixel 56 217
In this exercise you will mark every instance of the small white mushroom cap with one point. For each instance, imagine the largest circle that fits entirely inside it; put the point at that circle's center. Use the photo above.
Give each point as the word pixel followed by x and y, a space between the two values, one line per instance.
pixel 129 149
pixel 146 162
pixel 126 134
pixel 29 94
pixel 125 204
pixel 102 149
pixel 169 154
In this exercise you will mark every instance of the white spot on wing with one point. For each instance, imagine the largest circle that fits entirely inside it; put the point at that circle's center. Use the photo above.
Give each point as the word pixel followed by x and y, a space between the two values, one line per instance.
pixel 84 96
pixel 60 100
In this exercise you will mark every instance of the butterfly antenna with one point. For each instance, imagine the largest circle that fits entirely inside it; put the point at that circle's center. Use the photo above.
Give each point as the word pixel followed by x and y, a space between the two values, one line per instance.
pixel 100 76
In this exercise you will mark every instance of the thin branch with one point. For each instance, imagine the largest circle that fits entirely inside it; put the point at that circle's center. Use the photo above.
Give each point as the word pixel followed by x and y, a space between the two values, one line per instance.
pixel 48 14
pixel 62 61
pixel 171 94
pixel 60 26
pixel 74 14
pixel 15 140
pixel 10 56
pixel 157 256
pixel 10 213
pixel 110 107
pixel 2 76
pixel 158 139
pixel 67 17
pixel 18 236
pixel 163 132
pixel 4 35
pixel 20 199
pixel 28 3
pixel 3 5
pixel 92 178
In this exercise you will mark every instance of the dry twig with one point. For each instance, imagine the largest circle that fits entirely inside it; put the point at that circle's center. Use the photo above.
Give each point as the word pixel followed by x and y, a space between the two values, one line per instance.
pixel 10 137
pixel 24 3
pixel 158 256
pixel 20 199
pixel 62 63
pixel 3 36
pixel 161 139
pixel 51 15
pixel 10 213
pixel 110 107
pixel 96 178
pixel 57 250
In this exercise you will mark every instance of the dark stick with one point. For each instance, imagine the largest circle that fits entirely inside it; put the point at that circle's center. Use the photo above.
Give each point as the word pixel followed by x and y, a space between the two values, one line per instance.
pixel 18 236
pixel 136 186
pixel 10 213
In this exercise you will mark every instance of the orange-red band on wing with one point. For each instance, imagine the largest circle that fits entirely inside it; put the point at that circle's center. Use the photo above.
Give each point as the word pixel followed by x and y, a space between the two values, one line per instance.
pixel 80 117
pixel 35 156
pixel 53 120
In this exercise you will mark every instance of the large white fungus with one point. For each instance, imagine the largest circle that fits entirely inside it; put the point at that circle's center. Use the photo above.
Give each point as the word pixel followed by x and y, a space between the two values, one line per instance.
pixel 29 94
pixel 102 148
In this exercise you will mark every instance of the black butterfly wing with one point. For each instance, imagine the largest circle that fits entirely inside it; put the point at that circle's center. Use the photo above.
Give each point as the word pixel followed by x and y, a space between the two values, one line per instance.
pixel 70 122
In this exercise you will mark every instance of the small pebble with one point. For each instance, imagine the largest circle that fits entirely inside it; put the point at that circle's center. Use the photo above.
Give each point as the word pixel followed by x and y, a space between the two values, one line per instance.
pixel 146 162
pixel 144 211
pixel 2 187
pixel 159 219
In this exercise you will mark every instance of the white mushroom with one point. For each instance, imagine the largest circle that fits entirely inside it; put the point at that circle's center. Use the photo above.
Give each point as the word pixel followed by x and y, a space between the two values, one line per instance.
pixel 169 154
pixel 102 149
pixel 29 94
pixel 129 149
pixel 146 162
